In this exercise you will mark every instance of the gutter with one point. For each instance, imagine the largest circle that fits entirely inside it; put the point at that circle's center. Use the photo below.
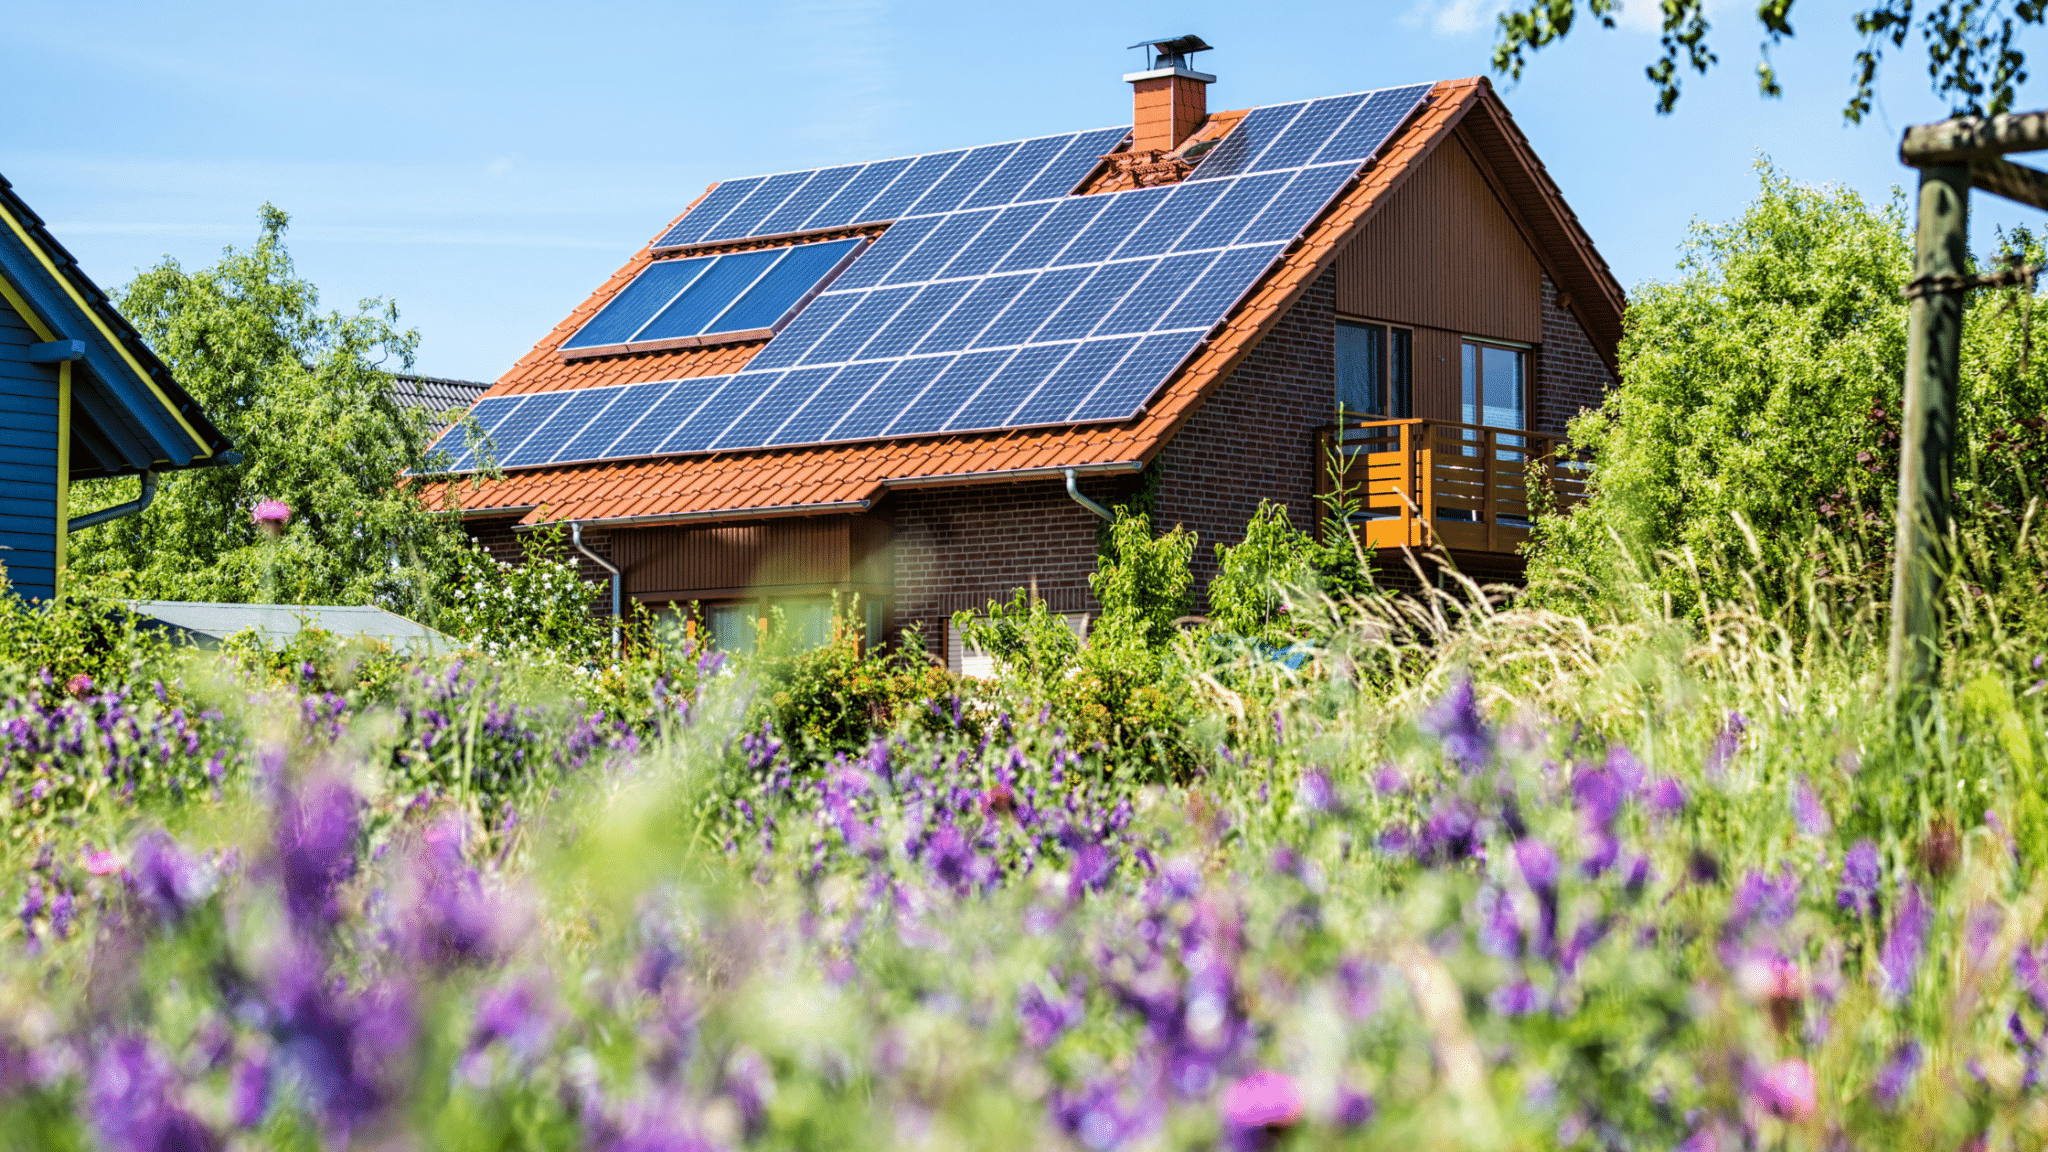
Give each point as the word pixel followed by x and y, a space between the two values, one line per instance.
pixel 1085 502
pixel 119 510
pixel 757 513
pixel 1013 475
pixel 576 542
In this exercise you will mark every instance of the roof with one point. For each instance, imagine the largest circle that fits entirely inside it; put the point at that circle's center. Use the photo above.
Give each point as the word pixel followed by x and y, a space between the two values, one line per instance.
pixel 209 624
pixel 850 477
pixel 435 394
pixel 129 414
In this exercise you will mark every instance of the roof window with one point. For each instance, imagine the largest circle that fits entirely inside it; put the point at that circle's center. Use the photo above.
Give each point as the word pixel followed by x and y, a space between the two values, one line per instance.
pixel 711 299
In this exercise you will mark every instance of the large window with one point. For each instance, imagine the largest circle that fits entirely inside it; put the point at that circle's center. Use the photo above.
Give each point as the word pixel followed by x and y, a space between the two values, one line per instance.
pixel 1493 392
pixel 1375 370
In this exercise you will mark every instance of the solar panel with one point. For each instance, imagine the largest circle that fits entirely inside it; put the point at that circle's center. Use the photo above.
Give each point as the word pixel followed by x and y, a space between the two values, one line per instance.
pixel 993 300
pixel 741 292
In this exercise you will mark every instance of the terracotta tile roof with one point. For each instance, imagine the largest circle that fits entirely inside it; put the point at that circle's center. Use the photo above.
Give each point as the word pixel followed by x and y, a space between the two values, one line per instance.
pixel 819 478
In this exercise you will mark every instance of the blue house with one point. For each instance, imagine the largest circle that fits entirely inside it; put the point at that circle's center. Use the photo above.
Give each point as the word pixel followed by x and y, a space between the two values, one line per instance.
pixel 81 396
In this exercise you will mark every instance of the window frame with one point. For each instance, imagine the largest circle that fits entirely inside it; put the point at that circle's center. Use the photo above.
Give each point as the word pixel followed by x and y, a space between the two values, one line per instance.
pixel 1525 356
pixel 1396 369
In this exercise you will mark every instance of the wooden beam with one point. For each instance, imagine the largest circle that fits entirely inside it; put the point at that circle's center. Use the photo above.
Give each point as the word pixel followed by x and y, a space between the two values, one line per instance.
pixel 1969 138
pixel 2013 181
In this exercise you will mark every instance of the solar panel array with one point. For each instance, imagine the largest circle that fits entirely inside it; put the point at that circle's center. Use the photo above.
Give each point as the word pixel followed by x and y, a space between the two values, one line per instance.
pixel 976 310
pixel 709 295
pixel 989 177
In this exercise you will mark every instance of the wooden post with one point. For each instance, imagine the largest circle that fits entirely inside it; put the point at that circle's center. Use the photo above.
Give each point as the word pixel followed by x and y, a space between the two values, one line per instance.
pixel 1405 488
pixel 1486 447
pixel 1927 428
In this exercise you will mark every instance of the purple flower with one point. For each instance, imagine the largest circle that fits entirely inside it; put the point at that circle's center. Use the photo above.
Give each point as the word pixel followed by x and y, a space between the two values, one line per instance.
pixel 1897 1074
pixel 1899 958
pixel 1456 721
pixel 269 512
pixel 1785 1090
pixel 1668 798
pixel 2028 964
pixel 1860 874
pixel 1726 744
pixel 1045 1019
pixel 1764 902
pixel 751 1084
pixel 1450 834
pixel 131 1095
pixel 1317 794
pixel 1808 811
pixel 1599 794
pixel 1264 1099
pixel 1538 864
pixel 1093 867
pixel 448 919
pixel 1388 781
pixel 249 1091
pixel 1354 1108
pixel 168 881
pixel 316 841
pixel 1517 999
pixel 1360 984
pixel 1500 930
pixel 1624 767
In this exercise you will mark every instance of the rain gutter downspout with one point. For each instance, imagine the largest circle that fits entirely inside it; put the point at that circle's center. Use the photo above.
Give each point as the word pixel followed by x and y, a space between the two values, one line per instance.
pixel 119 510
pixel 576 542
pixel 1085 502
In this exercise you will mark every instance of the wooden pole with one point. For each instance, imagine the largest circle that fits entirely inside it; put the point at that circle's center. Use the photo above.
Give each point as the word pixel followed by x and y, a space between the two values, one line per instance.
pixel 1927 428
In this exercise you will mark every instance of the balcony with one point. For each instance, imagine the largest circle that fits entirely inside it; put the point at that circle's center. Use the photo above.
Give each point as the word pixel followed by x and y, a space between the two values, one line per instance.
pixel 1437 483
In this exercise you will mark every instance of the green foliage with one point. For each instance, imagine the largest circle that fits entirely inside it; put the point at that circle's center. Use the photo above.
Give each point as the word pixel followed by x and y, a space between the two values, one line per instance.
pixel 1030 642
pixel 303 396
pixel 541 605
pixel 1972 60
pixel 1142 584
pixel 1256 579
pixel 837 696
pixel 1756 419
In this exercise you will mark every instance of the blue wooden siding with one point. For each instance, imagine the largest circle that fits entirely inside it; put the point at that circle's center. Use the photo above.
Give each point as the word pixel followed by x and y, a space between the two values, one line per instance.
pixel 28 461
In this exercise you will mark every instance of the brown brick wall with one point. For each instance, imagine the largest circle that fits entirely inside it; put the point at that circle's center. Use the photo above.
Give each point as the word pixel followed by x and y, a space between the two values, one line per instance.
pixel 960 548
pixel 1254 437
pixel 1569 373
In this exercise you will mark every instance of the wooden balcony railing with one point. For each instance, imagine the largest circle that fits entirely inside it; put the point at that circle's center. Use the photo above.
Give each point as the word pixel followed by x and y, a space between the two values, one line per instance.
pixel 1463 487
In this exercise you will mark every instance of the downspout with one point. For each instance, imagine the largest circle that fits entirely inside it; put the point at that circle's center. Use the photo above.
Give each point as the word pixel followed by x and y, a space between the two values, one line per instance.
pixel 576 542
pixel 118 510
pixel 1083 501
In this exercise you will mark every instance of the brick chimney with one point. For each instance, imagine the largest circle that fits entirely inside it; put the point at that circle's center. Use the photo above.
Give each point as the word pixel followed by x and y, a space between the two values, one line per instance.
pixel 1169 99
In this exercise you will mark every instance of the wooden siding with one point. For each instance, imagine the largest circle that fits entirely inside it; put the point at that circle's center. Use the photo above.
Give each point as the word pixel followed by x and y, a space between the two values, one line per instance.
pixel 1445 254
pixel 28 461
pixel 766 558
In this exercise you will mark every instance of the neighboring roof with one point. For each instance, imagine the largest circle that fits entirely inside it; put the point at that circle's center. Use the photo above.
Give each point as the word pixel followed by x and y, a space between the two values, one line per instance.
pixel 129 414
pixel 209 624
pixel 814 479
pixel 436 394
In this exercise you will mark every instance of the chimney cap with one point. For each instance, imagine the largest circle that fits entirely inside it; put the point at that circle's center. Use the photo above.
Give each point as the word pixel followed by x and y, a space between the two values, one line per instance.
pixel 1171 51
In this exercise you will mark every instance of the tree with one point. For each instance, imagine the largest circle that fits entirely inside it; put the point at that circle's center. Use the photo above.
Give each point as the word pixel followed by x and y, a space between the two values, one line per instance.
pixel 305 397
pixel 1971 59
pixel 1758 401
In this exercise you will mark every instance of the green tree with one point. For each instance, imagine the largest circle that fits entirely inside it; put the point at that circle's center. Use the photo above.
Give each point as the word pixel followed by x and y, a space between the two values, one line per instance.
pixel 1758 401
pixel 1972 60
pixel 1250 593
pixel 304 396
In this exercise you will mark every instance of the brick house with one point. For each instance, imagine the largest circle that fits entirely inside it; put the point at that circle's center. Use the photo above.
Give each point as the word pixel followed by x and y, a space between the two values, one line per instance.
pixel 941 377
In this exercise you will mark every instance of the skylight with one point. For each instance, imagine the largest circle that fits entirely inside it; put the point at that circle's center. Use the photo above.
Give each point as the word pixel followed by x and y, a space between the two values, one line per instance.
pixel 711 299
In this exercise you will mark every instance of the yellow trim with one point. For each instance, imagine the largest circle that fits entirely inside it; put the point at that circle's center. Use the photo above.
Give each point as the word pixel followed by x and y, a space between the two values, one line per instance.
pixel 63 468
pixel 112 340
pixel 35 322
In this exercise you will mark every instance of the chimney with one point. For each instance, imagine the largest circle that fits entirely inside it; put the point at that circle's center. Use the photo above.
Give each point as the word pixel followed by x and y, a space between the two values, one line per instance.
pixel 1169 99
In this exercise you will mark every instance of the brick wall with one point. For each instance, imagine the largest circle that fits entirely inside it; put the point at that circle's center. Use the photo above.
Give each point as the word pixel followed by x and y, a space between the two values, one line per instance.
pixel 1255 436
pixel 1569 373
pixel 960 548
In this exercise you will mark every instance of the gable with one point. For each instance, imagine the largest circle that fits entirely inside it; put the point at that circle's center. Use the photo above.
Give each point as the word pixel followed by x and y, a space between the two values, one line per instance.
pixel 1444 253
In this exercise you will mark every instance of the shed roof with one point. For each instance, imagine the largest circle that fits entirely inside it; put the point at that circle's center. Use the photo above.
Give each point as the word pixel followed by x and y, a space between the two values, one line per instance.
pixel 209 623
pixel 129 415
pixel 850 477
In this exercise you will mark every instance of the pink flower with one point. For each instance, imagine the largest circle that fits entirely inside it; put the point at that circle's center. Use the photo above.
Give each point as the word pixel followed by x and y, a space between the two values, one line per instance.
pixel 1264 1099
pixel 78 685
pixel 102 863
pixel 1787 1089
pixel 271 515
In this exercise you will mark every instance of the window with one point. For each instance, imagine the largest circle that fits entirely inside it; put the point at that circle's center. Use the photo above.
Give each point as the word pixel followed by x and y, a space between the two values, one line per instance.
pixel 1375 370
pixel 1493 392
pixel 733 627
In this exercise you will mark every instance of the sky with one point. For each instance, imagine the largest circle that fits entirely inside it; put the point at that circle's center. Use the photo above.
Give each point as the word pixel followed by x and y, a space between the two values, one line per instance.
pixel 488 166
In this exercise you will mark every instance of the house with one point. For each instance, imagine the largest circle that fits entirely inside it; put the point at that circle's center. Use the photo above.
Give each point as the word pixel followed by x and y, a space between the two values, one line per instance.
pixel 922 379
pixel 435 395
pixel 81 396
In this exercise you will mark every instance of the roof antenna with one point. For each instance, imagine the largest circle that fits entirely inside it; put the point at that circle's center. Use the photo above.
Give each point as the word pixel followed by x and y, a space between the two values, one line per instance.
pixel 1171 51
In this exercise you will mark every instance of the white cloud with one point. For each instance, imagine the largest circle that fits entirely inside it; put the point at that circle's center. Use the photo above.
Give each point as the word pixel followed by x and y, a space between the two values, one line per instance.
pixel 1453 17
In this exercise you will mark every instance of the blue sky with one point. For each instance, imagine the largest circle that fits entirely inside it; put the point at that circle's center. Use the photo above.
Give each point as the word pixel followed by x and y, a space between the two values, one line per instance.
pixel 488 165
